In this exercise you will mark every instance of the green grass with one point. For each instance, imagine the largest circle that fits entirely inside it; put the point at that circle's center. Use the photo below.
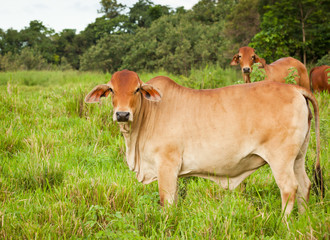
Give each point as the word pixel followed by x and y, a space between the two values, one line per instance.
pixel 63 173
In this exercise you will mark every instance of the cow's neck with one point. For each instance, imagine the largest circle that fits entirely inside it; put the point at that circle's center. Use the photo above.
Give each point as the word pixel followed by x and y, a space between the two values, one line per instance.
pixel 267 72
pixel 246 78
pixel 130 139
pixel 131 133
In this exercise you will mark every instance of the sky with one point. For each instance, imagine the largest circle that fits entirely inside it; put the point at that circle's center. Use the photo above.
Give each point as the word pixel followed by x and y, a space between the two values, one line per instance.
pixel 62 14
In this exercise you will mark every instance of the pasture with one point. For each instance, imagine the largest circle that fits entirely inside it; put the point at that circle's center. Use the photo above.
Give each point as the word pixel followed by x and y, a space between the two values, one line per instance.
pixel 63 172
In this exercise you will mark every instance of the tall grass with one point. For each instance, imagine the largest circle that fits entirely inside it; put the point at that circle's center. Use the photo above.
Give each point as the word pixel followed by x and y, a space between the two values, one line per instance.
pixel 63 172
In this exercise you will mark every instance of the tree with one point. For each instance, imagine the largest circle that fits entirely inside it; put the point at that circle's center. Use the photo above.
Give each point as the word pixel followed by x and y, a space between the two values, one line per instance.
pixel 176 44
pixel 155 12
pixel 242 23
pixel 103 27
pixel 67 48
pixel 138 14
pixel 205 11
pixel 107 55
pixel 180 10
pixel 297 27
pixel 111 8
pixel 2 42
pixel 10 41
pixel 37 36
pixel 144 12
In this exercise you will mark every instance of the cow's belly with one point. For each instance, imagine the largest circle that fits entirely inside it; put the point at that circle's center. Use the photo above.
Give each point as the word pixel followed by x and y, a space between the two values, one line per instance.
pixel 222 165
pixel 228 172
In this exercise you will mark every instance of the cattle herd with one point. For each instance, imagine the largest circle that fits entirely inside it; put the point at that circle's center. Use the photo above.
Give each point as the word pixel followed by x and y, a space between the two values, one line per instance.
pixel 222 134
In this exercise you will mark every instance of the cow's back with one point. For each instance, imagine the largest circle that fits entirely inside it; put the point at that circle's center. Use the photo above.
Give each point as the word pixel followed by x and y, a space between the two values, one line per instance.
pixel 280 69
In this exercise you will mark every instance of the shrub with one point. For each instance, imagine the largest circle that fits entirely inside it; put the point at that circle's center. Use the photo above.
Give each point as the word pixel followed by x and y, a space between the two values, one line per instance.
pixel 325 60
pixel 257 74
pixel 292 75
pixel 28 59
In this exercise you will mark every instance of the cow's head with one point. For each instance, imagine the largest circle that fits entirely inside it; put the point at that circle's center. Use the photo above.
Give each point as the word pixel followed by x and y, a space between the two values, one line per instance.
pixel 126 90
pixel 246 57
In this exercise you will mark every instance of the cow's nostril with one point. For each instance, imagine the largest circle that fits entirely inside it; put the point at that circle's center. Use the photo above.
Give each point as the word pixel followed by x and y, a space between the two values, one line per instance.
pixel 122 116
pixel 246 70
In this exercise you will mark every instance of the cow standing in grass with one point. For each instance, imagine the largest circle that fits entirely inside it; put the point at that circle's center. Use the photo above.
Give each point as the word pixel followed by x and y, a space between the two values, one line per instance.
pixel 171 131
pixel 276 71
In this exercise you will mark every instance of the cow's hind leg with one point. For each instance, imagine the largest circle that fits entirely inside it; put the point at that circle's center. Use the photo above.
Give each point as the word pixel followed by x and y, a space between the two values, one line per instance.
pixel 168 170
pixel 304 183
pixel 286 180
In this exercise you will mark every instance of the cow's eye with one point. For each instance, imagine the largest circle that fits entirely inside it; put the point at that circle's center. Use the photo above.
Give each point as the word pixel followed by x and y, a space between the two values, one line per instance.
pixel 137 90
pixel 111 90
pixel 239 56
pixel 253 57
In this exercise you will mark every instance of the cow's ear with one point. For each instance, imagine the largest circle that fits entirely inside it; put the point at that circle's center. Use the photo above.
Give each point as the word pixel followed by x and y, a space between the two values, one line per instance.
pixel 257 59
pixel 150 93
pixel 98 92
pixel 235 60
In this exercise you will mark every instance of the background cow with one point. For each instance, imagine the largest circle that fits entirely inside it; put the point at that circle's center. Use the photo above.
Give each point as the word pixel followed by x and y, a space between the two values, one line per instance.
pixel 171 131
pixel 319 78
pixel 276 71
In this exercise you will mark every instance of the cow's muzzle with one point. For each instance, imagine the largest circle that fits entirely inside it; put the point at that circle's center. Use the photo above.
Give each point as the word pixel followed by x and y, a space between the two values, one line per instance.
pixel 246 70
pixel 122 116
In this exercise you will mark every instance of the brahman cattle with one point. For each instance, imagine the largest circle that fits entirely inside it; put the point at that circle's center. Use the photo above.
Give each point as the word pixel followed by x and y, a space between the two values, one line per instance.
pixel 319 77
pixel 172 131
pixel 276 71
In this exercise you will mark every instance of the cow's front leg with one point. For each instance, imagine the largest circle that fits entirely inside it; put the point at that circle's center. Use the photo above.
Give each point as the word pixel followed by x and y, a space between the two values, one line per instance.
pixel 168 171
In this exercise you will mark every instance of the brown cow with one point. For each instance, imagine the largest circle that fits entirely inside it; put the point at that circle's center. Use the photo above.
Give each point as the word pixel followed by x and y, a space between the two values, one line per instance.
pixel 319 78
pixel 276 71
pixel 172 131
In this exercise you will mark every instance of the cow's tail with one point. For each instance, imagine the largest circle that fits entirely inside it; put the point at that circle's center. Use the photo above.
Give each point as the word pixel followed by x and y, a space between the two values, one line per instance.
pixel 310 79
pixel 318 171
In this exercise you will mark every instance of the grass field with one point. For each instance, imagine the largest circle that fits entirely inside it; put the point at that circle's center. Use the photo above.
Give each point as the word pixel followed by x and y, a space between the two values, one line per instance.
pixel 63 173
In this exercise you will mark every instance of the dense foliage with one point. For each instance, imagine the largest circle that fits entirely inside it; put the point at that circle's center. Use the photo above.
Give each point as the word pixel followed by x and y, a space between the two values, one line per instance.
pixel 296 28
pixel 150 36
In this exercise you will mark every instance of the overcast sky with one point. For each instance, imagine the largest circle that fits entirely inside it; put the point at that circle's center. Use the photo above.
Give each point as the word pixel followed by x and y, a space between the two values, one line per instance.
pixel 61 14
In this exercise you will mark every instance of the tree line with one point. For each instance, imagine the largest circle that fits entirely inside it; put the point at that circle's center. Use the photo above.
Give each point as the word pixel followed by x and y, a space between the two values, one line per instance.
pixel 150 36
